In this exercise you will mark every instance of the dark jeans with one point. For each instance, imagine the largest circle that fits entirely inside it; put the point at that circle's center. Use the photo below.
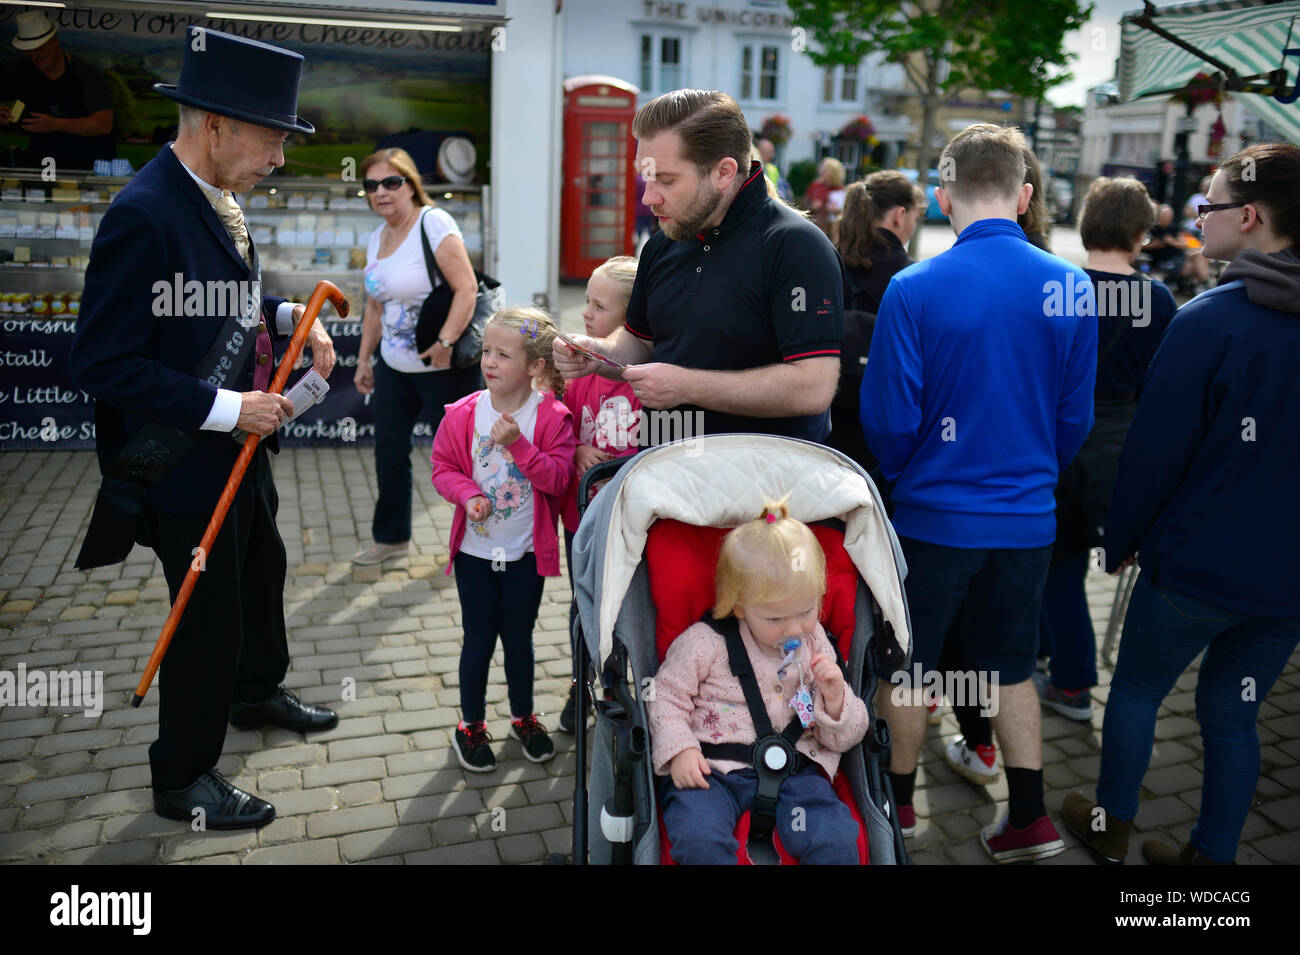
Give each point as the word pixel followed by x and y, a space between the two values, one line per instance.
pixel 497 603
pixel 230 644
pixel 1065 626
pixel 1004 588
pixel 398 401
pixel 814 826
pixel 1163 632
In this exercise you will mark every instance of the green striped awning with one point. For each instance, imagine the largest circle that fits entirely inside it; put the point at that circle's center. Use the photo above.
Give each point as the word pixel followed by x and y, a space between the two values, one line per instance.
pixel 1245 35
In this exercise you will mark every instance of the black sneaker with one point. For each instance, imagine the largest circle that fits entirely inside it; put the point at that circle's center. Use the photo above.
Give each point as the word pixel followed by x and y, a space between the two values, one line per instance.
pixel 569 716
pixel 472 748
pixel 537 745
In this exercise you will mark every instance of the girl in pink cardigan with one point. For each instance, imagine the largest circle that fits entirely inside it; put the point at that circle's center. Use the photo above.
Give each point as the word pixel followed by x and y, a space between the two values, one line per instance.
pixel 504 457
pixel 772 575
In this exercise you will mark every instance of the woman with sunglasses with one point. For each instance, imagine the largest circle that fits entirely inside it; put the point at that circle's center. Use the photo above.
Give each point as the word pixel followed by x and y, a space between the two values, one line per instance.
pixel 397 283
pixel 1206 493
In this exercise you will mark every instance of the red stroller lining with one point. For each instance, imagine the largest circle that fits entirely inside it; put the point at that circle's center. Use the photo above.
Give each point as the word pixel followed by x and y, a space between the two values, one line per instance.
pixel 681 561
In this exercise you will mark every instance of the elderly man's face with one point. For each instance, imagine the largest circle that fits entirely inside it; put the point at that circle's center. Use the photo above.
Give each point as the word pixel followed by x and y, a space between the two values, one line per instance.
pixel 245 154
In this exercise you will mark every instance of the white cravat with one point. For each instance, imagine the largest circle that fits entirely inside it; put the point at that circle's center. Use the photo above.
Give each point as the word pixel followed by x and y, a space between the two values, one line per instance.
pixel 232 217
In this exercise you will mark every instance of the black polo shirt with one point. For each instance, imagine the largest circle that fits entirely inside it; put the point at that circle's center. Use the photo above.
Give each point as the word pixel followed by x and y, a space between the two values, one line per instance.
pixel 79 91
pixel 764 286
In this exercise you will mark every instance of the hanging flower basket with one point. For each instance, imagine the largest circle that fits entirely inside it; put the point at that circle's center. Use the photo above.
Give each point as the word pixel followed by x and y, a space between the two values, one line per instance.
pixel 861 130
pixel 777 128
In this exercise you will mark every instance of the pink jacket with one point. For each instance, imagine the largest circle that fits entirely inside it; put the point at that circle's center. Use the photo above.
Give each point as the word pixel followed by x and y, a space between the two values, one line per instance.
pixel 590 394
pixel 697 699
pixel 547 462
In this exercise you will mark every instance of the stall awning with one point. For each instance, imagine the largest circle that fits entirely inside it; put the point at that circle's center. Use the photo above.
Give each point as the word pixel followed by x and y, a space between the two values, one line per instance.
pixel 1242 40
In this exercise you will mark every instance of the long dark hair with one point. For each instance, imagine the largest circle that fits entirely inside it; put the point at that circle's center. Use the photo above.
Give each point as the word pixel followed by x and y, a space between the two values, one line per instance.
pixel 1034 219
pixel 864 203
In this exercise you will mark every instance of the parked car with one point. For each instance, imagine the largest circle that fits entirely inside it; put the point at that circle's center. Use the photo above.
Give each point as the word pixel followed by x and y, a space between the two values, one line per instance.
pixel 932 210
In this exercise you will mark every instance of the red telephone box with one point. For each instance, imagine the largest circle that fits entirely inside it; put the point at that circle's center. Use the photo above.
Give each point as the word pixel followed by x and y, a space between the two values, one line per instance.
pixel 598 199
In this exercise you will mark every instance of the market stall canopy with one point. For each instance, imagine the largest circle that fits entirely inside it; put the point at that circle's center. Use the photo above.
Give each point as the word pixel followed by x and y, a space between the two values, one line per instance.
pixel 1250 47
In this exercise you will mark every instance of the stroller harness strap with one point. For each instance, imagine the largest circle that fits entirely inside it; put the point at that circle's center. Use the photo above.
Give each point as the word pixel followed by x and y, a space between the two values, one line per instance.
pixel 773 756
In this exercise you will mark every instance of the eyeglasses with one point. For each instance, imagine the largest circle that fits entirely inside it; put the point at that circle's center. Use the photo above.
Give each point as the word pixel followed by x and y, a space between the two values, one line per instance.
pixel 390 183
pixel 1206 208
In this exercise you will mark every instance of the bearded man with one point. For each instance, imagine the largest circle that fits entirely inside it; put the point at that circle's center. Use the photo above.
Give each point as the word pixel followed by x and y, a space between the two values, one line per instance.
pixel 738 307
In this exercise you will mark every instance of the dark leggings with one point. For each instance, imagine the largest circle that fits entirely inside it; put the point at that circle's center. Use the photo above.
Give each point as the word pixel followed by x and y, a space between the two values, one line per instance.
pixel 496 602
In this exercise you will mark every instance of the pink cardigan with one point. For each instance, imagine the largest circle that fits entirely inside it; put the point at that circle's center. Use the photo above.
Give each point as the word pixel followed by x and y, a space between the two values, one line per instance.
pixel 696 699
pixel 547 462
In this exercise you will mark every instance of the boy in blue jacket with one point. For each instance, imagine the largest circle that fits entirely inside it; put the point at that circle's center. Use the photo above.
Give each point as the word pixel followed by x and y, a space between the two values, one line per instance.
pixel 977 393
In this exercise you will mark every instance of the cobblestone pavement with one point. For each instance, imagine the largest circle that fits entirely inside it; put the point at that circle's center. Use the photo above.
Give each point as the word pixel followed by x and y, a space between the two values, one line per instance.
pixel 384 786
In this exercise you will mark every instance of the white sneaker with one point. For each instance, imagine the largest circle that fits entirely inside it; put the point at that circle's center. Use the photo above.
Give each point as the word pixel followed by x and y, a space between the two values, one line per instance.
pixel 378 553
pixel 978 765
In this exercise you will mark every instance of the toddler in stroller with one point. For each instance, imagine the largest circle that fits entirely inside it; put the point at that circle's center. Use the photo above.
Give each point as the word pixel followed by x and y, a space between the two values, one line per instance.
pixel 728 680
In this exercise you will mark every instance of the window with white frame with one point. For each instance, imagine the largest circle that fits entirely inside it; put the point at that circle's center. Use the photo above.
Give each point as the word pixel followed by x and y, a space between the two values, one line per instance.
pixel 840 85
pixel 760 71
pixel 663 62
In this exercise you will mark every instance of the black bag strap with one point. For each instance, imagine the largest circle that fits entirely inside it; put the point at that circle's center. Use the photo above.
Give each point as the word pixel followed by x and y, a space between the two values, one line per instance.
pixel 430 263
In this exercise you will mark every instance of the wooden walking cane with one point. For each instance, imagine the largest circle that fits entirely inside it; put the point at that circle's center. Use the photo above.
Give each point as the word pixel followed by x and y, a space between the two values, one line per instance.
pixel 322 291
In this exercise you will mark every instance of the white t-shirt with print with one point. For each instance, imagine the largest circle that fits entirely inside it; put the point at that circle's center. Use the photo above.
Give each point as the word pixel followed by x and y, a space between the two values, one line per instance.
pixel 507 534
pixel 400 282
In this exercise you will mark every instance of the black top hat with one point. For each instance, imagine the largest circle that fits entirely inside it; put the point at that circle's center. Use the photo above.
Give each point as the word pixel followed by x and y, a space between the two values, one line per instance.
pixel 240 78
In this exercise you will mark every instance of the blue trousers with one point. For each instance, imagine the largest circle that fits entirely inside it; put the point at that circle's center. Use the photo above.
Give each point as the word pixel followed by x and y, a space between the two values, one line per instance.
pixel 1163 633
pixel 814 826
pixel 398 401
pixel 497 602
pixel 1065 626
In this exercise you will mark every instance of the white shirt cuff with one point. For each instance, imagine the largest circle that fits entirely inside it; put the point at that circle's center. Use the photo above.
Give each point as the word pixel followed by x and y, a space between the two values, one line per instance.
pixel 225 411
pixel 284 318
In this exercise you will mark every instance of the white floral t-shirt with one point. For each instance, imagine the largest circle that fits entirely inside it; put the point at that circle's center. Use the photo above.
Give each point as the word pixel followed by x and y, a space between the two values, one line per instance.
pixel 400 282
pixel 507 534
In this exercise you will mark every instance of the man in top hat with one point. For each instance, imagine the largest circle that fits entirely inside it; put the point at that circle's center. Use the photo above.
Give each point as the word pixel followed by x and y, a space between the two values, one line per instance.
pixel 171 388
pixel 67 103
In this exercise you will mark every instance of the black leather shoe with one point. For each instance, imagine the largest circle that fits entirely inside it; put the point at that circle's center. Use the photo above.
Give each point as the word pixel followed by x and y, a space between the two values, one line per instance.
pixel 223 805
pixel 283 709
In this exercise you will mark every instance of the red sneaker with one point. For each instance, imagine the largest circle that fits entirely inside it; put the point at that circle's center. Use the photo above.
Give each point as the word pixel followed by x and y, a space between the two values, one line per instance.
pixel 1004 843
pixel 907 821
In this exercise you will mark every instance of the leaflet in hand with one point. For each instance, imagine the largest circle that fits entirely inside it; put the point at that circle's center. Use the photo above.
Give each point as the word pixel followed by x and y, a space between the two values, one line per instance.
pixel 309 390
pixel 587 351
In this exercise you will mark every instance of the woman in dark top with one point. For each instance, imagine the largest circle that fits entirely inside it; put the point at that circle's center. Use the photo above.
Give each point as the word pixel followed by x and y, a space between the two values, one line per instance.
pixel 880 215
pixel 1205 499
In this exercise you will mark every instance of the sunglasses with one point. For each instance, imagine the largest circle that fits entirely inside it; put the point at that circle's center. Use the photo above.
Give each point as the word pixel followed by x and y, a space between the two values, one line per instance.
pixel 390 183
pixel 1205 208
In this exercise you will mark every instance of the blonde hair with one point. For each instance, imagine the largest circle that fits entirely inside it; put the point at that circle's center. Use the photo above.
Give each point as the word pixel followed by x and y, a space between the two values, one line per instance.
pixel 769 560
pixel 537 331
pixel 621 270
pixel 832 171
pixel 400 160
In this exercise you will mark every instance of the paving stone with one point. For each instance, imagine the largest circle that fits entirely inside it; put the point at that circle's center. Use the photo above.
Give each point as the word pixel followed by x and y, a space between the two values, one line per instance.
pixel 343 821
pixel 24 846
pixel 81 784
pixel 75 835
pixel 132 777
pixel 283 829
pixel 385 842
pixel 136 852
pixel 469 853
pixel 429 808
pixel 1284 812
pixel 360 794
pixel 421 784
pixel 1154 814
pixel 334 774
pixel 451 831
pixel 515 850
pixel 280 780
pixel 306 801
pixel 366 746
pixel 67 742
pixel 1281 850
pixel 307 755
pixel 1172 779
pixel 316 852
pixel 41 814
pixel 112 804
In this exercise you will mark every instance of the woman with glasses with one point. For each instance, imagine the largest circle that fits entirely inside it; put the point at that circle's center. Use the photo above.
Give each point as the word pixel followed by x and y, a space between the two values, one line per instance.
pixel 1206 500
pixel 405 381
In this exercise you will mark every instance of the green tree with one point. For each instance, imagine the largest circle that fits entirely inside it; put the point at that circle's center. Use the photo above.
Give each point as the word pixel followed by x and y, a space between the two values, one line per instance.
pixel 945 45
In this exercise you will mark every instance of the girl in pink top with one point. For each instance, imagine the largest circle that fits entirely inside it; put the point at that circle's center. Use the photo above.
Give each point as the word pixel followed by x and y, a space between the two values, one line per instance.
pixel 771 575
pixel 504 457
pixel 606 413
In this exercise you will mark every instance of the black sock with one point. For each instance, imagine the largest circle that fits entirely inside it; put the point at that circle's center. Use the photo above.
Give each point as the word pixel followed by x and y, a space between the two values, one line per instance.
pixel 902 784
pixel 977 729
pixel 1025 795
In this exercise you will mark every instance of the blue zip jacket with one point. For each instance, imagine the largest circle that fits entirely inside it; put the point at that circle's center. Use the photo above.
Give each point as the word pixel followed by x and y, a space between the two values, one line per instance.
pixel 1207 484
pixel 978 388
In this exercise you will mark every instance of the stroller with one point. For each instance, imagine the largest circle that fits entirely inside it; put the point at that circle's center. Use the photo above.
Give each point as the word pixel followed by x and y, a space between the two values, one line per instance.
pixel 643 566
